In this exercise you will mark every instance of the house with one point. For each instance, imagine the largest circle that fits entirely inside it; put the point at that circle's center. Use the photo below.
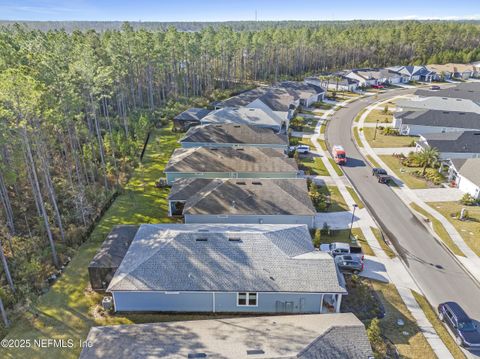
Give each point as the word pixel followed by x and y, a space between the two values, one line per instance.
pixel 465 175
pixel 307 92
pixel 244 116
pixel 437 103
pixel 320 336
pixel 238 162
pixel 476 69
pixel 243 99
pixel 466 91
pixel 269 201
pixel 452 145
pixel 415 73
pixel 338 83
pixel 453 71
pixel 364 77
pixel 233 135
pixel 189 118
pixel 229 268
pixel 435 121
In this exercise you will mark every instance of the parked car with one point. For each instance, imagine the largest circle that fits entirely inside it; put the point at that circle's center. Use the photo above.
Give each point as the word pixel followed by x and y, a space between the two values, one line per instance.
pixel 339 155
pixel 340 248
pixel 300 149
pixel 377 86
pixel 434 87
pixel 349 263
pixel 464 329
pixel 381 175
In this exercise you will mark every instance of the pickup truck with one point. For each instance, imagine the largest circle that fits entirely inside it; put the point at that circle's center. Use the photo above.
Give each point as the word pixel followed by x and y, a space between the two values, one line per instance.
pixel 339 248
pixel 381 175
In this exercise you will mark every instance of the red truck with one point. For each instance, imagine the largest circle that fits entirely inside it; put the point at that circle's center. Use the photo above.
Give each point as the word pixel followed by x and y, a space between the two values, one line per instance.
pixel 339 155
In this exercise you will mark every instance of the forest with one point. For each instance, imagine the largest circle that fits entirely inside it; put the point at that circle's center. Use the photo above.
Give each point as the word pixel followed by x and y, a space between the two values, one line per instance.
pixel 76 108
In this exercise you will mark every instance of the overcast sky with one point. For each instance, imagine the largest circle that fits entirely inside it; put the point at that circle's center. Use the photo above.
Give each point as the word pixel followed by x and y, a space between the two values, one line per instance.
pixel 216 10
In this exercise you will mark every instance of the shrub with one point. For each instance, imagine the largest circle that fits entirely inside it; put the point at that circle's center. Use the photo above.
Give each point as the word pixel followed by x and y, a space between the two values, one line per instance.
pixel 294 141
pixel 374 334
pixel 389 131
pixel 317 238
pixel 468 200
pixel 325 228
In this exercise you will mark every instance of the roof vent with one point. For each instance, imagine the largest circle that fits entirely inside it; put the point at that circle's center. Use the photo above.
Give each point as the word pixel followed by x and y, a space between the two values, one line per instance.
pixel 201 239
pixel 241 183
pixel 237 126
pixel 446 112
pixel 203 230
pixel 240 149
pixel 255 352
pixel 234 239
pixel 257 183
pixel 459 99
pixel 196 355
pixel 213 149
pixel 461 113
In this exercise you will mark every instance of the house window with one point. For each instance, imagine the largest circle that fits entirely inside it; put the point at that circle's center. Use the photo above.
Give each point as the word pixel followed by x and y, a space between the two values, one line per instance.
pixel 245 299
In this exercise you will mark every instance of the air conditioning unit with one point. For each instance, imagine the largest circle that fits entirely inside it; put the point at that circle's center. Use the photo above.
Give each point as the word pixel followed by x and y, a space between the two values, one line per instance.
pixel 107 303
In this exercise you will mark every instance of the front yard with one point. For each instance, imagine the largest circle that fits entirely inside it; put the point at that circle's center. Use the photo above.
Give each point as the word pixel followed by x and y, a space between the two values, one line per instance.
pixel 404 173
pixel 469 229
pixel 384 141
pixel 342 235
pixel 337 202
pixel 379 115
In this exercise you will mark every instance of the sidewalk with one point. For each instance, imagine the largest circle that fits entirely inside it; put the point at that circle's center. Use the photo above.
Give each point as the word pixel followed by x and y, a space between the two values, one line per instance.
pixel 471 261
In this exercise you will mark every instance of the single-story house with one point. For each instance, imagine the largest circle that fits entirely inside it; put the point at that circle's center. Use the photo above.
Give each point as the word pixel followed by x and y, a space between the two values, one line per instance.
pixel 244 116
pixel 243 99
pixel 306 92
pixel 189 118
pixel 455 71
pixel 269 201
pixel 237 162
pixel 337 83
pixel 415 73
pixel 233 135
pixel 229 268
pixel 435 121
pixel 452 145
pixel 319 336
pixel 108 258
pixel 465 90
pixel 364 77
pixel 437 103
pixel 465 174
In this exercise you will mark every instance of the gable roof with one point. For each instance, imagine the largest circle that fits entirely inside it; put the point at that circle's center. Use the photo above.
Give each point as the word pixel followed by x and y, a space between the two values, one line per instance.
pixel 436 118
pixel 468 168
pixel 319 336
pixel 411 70
pixel 279 99
pixel 451 67
pixel 241 116
pixel 192 114
pixel 466 90
pixel 248 159
pixel 301 89
pixel 439 103
pixel 244 98
pixel 261 258
pixel 457 142
pixel 234 134
pixel 244 196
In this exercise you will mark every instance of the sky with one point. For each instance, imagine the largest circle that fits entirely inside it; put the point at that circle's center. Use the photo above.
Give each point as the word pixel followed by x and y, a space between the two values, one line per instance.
pixel 217 10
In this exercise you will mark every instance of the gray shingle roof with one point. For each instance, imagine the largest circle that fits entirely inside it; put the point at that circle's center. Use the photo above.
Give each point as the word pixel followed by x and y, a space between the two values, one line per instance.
pixel 439 103
pixel 192 114
pixel 467 90
pixel 248 159
pixel 315 336
pixel 279 99
pixel 436 118
pixel 469 168
pixel 301 89
pixel 167 257
pixel 244 196
pixel 457 142
pixel 244 98
pixel 242 116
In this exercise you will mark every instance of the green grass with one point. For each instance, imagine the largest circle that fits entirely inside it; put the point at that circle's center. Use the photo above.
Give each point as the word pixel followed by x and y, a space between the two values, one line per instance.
pixel 69 309
pixel 322 144
pixel 386 141
pixel 323 127
pixel 335 166
pixel 438 326
pixel 310 125
pixel 355 197
pixel 378 235
pixel 357 137
pixel 439 230
pixel 315 165
pixel 342 235
pixel 337 201
pixel 362 241
pixel 469 229
pixel 372 161
pixel 357 118
pixel 379 115
pixel 404 173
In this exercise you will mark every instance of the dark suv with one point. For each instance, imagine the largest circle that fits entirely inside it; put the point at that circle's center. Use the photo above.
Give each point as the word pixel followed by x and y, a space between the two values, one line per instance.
pixel 464 329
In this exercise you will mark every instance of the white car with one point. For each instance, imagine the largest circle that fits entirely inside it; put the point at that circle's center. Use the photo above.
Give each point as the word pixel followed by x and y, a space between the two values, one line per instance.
pixel 300 148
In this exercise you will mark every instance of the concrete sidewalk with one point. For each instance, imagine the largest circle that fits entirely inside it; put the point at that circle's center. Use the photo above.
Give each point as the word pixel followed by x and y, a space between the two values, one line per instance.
pixel 439 194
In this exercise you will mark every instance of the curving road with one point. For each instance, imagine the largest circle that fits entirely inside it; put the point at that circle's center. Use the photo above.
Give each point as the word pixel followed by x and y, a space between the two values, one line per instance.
pixel 432 266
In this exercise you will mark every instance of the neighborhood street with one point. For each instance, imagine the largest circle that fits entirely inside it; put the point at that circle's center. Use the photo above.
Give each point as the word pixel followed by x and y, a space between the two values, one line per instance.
pixel 435 270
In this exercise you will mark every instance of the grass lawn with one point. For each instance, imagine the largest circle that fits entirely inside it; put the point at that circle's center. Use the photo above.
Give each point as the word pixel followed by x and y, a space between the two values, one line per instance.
pixel 437 324
pixel 323 127
pixel 357 118
pixel 439 230
pixel 310 124
pixel 357 137
pixel 379 115
pixel 342 235
pixel 322 144
pixel 336 198
pixel 69 309
pixel 335 166
pixel 468 229
pixel 403 173
pixel 355 197
pixel 412 343
pixel 378 235
pixel 387 141
pixel 372 161
pixel 314 165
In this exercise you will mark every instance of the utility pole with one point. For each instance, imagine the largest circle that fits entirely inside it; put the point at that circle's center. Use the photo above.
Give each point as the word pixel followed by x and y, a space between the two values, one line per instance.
pixel 351 223
pixel 375 134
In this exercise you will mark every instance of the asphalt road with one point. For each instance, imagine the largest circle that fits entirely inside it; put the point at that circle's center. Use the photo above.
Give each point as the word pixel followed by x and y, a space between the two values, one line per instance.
pixel 434 269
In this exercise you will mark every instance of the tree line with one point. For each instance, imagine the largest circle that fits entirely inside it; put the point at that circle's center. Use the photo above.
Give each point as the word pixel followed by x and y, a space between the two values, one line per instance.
pixel 75 109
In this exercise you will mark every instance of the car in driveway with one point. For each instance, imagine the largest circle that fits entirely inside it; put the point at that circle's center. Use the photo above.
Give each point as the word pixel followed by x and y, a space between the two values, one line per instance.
pixel 339 248
pixel 381 175
pixel 300 149
pixel 464 329
pixel 349 264
pixel 377 86
pixel 434 87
